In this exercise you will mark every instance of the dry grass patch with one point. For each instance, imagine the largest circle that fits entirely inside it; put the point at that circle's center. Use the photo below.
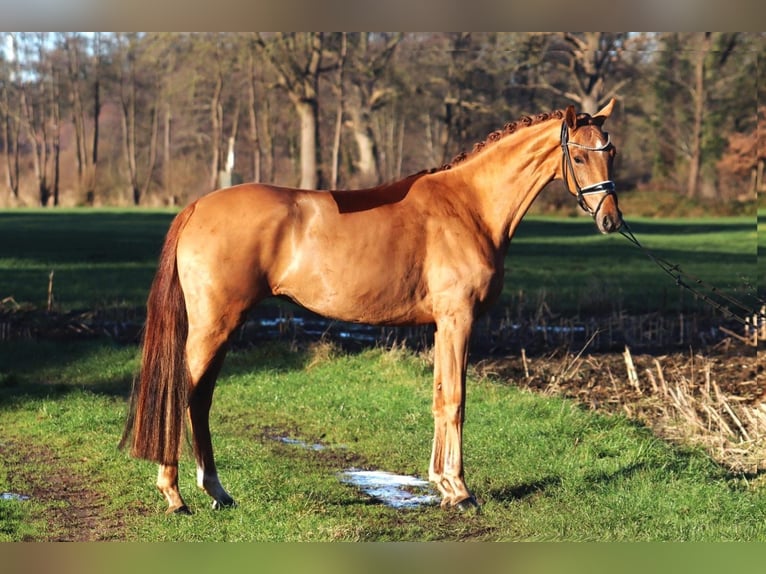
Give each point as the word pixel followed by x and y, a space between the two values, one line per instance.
pixel 715 398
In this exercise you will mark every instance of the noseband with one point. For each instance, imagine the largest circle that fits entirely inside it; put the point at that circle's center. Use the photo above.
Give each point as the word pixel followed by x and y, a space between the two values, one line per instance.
pixel 605 187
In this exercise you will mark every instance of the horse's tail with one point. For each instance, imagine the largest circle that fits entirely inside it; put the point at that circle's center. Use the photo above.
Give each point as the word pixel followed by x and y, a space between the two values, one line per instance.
pixel 160 393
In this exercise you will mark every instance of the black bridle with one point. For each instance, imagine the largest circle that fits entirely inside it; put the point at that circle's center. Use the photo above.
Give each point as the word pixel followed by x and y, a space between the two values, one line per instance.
pixel 605 187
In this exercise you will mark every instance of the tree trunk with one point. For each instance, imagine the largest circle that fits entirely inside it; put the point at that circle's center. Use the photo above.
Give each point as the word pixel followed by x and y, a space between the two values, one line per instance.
pixel 369 95
pixel 56 171
pixel 84 160
pixel 129 94
pixel 255 141
pixel 216 113
pixel 335 163
pixel 35 116
pixel 152 160
pixel 268 139
pixel 301 81
pixel 699 97
pixel 11 148
pixel 55 104
pixel 367 163
pixel 226 164
pixel 308 112
pixel 129 147
pixel 96 98
pixel 167 169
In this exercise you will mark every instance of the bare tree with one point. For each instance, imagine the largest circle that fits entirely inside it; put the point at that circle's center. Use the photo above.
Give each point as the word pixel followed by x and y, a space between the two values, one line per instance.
pixel 40 108
pixel 583 67
pixel 339 92
pixel 162 50
pixel 703 44
pixel 218 80
pixel 216 122
pixel 129 88
pixel 692 84
pixel 11 120
pixel 368 93
pixel 297 61
pixel 97 61
pixel 255 140
pixel 79 68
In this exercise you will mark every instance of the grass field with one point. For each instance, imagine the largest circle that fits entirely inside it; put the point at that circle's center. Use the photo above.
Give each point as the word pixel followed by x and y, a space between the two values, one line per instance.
pixel 103 258
pixel 579 270
pixel 99 258
pixel 544 468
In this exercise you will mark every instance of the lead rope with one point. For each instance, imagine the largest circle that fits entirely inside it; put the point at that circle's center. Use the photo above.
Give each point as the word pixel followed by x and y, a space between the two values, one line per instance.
pixel 678 275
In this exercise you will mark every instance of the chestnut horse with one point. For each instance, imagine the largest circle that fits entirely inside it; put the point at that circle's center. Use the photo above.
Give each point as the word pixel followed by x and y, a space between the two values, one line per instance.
pixel 428 249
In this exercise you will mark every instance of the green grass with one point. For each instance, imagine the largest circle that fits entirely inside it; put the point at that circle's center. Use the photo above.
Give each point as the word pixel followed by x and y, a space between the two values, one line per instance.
pixel 544 468
pixel 569 265
pixel 107 257
pixel 101 257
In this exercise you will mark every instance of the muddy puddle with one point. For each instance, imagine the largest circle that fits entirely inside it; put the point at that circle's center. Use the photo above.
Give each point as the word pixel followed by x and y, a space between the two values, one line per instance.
pixel 300 443
pixel 13 496
pixel 395 490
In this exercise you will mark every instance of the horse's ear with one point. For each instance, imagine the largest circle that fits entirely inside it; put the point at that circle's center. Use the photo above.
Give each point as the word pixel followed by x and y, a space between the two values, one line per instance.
pixel 570 117
pixel 600 116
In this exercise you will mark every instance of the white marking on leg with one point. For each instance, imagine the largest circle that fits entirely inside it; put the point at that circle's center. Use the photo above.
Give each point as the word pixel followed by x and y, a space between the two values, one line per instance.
pixel 209 482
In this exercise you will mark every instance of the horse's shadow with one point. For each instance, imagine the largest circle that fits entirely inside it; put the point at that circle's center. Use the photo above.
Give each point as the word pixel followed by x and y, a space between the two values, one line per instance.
pixel 523 491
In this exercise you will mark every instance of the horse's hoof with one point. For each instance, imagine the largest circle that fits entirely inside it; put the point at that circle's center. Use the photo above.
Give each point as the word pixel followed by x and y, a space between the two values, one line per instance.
pixel 182 510
pixel 220 504
pixel 468 504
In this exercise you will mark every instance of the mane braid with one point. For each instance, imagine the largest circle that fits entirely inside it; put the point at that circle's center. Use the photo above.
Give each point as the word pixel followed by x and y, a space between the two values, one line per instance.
pixel 497 135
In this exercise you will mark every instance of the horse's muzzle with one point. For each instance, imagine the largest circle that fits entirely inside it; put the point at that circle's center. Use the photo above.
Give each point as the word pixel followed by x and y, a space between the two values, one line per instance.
pixel 609 222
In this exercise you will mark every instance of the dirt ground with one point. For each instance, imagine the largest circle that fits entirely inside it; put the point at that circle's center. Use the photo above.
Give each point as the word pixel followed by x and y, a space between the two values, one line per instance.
pixel 77 511
pixel 737 370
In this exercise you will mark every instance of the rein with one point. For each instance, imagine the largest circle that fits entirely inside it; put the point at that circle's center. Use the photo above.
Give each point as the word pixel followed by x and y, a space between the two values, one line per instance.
pixel 605 187
pixel 711 295
pixel 698 287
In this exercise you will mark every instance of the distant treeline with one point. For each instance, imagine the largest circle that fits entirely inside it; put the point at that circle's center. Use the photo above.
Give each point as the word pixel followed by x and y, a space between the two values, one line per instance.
pixel 160 118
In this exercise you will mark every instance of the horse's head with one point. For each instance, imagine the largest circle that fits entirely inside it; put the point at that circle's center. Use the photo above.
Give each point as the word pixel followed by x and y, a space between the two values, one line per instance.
pixel 587 166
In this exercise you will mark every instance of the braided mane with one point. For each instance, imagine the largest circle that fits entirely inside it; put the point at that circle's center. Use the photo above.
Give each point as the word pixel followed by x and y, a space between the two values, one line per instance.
pixel 497 135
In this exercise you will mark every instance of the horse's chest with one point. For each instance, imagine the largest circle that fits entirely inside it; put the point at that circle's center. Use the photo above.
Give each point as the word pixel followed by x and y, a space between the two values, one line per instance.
pixel 468 275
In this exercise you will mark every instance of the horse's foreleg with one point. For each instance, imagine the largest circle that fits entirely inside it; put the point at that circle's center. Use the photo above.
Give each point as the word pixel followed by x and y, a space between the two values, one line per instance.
pixel 450 358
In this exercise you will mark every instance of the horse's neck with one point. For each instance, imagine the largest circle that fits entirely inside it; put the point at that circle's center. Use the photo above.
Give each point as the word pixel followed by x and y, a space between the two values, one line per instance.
pixel 507 177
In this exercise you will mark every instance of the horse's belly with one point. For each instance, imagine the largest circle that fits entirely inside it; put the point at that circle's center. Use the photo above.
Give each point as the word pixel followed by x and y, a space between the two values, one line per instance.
pixel 346 295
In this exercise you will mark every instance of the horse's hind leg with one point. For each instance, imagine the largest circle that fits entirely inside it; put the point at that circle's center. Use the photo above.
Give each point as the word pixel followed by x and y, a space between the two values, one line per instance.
pixel 206 350
pixel 167 483
pixel 205 355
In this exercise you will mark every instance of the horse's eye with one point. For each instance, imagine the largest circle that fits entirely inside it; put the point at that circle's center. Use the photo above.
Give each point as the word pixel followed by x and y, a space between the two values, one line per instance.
pixel 579 159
